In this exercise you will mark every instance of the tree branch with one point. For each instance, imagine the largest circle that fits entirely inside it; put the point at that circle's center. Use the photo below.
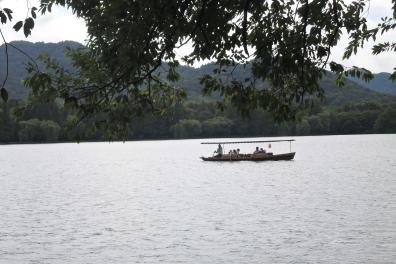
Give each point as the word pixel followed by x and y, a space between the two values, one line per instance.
pixel 7 62
pixel 333 38
pixel 197 24
pixel 244 26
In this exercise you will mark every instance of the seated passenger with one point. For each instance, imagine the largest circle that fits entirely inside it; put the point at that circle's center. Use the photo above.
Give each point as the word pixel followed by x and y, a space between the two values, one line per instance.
pixel 257 150
pixel 262 150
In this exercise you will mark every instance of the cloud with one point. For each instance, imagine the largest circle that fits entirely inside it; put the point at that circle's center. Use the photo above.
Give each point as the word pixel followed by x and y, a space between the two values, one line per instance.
pixel 56 26
pixel 364 58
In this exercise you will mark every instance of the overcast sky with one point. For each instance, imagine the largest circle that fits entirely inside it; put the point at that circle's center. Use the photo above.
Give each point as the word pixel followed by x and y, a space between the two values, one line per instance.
pixel 61 24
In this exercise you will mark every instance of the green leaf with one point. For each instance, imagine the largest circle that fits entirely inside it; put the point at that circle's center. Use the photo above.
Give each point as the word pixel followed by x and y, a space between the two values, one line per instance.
pixel 394 9
pixel 43 10
pixel 340 80
pixel 33 12
pixel 3 18
pixel 336 67
pixel 8 12
pixel 392 77
pixel 28 26
pixel 18 26
pixel 367 76
pixel 4 94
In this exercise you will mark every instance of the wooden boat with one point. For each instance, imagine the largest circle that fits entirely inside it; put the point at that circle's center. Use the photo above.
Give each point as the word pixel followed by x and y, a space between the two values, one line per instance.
pixel 260 156
pixel 251 157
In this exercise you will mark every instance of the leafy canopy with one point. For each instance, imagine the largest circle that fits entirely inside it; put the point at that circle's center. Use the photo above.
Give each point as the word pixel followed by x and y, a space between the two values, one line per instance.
pixel 130 65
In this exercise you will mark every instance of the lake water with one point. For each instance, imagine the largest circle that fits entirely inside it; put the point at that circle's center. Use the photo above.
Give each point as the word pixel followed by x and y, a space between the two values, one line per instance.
pixel 157 202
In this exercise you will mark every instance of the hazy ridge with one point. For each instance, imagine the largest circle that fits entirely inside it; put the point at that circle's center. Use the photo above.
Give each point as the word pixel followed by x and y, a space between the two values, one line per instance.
pixel 353 92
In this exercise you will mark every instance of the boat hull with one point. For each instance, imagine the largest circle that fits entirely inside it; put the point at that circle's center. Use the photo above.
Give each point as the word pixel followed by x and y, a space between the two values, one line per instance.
pixel 285 156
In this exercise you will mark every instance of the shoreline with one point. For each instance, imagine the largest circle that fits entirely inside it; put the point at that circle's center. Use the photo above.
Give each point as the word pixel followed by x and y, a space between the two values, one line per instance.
pixel 173 139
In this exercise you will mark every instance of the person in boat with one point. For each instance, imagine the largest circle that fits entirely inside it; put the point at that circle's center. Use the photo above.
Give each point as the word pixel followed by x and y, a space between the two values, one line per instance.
pixel 262 150
pixel 257 150
pixel 219 151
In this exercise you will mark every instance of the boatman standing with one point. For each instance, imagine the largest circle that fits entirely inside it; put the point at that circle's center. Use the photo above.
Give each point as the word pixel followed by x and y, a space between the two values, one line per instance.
pixel 219 150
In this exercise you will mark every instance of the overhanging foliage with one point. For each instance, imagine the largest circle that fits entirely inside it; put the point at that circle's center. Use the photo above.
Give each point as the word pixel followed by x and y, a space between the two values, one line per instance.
pixel 287 43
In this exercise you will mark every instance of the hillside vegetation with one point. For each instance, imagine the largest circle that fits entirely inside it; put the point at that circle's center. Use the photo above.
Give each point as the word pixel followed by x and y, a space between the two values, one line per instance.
pixel 350 109
pixel 353 91
pixel 380 83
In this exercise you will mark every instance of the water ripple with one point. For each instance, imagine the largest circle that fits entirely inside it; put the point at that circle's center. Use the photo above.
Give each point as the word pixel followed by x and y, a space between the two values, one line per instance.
pixel 156 202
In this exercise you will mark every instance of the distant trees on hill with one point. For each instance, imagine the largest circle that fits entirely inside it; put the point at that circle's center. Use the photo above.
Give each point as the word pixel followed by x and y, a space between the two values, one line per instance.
pixel 386 121
pixel 193 119
pixel 35 130
pixel 285 44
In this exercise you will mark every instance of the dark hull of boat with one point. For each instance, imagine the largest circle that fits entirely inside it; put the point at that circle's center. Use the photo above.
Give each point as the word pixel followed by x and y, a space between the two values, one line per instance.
pixel 285 156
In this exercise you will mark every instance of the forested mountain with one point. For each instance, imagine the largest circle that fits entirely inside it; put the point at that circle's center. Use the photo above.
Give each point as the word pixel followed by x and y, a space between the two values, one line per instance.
pixel 18 60
pixel 380 83
pixel 352 92
pixel 351 109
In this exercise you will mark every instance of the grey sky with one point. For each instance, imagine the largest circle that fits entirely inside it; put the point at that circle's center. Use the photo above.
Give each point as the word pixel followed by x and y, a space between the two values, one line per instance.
pixel 61 24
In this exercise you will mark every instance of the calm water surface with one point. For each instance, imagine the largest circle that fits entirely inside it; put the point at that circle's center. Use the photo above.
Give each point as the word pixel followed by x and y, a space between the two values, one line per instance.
pixel 155 201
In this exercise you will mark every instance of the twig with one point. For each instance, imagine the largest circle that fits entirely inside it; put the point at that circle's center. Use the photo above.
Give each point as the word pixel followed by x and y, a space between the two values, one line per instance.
pixel 335 13
pixel 24 53
pixel 7 62
pixel 244 26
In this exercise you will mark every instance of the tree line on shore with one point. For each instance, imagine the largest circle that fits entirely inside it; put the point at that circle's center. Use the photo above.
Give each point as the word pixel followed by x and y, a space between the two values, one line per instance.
pixel 49 122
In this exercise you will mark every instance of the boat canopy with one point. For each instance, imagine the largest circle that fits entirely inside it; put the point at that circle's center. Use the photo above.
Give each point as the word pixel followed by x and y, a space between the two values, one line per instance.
pixel 248 142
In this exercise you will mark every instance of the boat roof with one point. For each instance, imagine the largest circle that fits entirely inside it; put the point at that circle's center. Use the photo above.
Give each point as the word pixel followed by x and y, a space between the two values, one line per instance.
pixel 248 142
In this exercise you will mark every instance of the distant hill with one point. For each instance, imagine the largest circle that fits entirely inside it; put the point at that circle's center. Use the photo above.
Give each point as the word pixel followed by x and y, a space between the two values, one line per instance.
pixel 17 62
pixel 352 92
pixel 380 83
